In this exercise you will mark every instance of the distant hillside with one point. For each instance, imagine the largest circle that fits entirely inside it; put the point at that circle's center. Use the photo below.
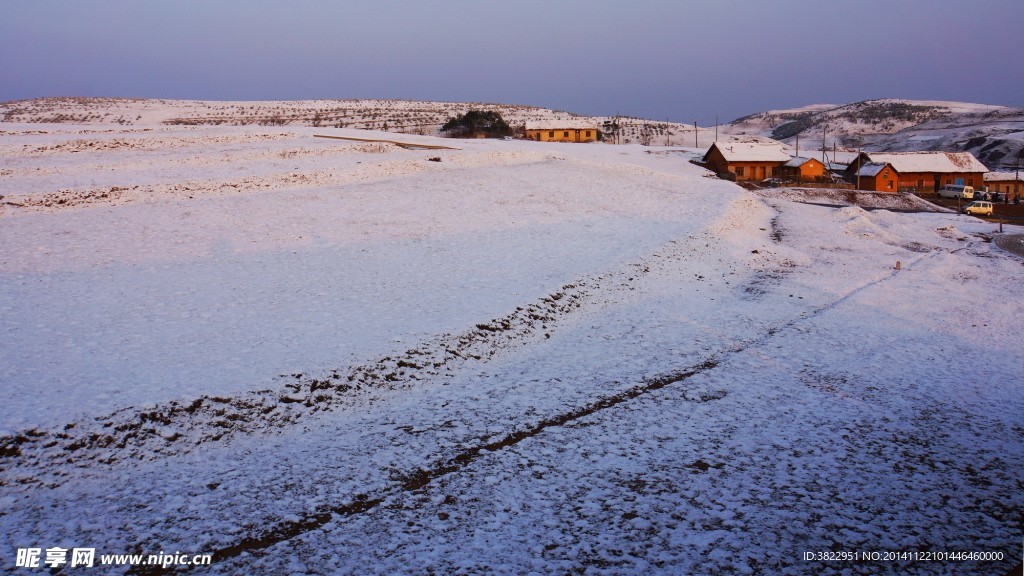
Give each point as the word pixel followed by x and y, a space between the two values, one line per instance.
pixel 994 134
pixel 402 116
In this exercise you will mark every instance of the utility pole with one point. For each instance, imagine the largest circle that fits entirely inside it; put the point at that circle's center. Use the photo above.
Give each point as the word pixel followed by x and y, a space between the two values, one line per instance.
pixel 797 144
pixel 695 134
pixel 858 161
pixel 716 127
pixel 1016 179
pixel 823 147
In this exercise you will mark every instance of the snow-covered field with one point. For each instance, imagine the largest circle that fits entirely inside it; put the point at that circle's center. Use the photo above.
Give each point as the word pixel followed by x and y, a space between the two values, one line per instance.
pixel 311 356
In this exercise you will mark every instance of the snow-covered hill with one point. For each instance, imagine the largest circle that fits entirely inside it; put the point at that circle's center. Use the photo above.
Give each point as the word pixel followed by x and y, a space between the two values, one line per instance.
pixel 402 116
pixel 994 134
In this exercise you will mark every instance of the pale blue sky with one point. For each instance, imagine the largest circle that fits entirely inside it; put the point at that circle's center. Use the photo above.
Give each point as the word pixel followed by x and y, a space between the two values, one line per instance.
pixel 676 59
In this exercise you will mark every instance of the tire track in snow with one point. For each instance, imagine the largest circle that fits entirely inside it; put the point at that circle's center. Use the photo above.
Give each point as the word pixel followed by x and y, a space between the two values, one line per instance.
pixel 420 478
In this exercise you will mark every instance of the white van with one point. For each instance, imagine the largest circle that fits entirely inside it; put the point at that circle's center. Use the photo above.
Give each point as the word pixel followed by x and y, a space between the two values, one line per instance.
pixel 957 191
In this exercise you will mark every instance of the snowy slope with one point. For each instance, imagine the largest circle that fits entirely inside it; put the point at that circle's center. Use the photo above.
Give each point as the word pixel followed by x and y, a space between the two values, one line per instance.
pixel 991 133
pixel 404 116
pixel 311 356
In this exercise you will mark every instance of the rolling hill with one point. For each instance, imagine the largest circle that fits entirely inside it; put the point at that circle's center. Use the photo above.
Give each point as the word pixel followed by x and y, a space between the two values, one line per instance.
pixel 994 134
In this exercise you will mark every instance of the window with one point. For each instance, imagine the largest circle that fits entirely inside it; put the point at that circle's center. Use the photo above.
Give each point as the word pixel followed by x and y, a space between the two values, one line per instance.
pixel 775 170
pixel 565 134
pixel 920 183
pixel 551 134
pixel 739 170
pixel 588 133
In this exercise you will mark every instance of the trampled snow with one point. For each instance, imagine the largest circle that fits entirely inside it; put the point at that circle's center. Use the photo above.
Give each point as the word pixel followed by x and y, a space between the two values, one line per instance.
pixel 313 356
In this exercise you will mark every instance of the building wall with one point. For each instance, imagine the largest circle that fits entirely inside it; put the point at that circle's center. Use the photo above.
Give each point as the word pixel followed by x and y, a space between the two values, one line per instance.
pixel 754 170
pixel 715 161
pixel 931 182
pixel 563 135
pixel 812 170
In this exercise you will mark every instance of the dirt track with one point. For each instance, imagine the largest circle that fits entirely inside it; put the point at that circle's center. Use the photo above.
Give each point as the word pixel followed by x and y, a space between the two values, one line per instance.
pixel 1011 243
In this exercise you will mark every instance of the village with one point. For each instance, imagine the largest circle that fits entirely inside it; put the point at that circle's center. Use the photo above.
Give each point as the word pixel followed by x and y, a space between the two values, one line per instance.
pixel 761 163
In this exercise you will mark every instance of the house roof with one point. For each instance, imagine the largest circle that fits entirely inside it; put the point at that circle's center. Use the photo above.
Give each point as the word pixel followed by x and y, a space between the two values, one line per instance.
pixel 905 162
pixel 872 169
pixel 800 161
pixel 750 152
pixel 1002 177
pixel 841 156
pixel 559 125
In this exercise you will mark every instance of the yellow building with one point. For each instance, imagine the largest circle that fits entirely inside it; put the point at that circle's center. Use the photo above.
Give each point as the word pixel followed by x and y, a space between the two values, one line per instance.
pixel 560 131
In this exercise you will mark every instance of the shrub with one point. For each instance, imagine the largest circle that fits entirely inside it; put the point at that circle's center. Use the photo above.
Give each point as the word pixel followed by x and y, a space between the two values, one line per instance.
pixel 474 122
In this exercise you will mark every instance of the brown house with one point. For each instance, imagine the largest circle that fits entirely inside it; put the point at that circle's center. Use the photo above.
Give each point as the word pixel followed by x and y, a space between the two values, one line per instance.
pixel 746 160
pixel 1006 182
pixel 925 171
pixel 878 177
pixel 803 170
pixel 560 131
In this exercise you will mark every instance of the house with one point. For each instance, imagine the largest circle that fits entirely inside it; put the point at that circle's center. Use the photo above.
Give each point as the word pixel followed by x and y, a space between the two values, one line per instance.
pixel 745 160
pixel 878 177
pixel 1007 182
pixel 925 171
pixel 561 131
pixel 803 169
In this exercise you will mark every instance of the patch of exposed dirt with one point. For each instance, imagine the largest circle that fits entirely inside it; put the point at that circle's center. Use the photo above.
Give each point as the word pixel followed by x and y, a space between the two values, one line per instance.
pixel 1012 243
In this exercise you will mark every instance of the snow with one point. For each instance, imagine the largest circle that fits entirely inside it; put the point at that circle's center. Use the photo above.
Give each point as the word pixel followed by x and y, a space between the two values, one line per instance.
pixel 1002 176
pixel 908 162
pixel 872 169
pixel 798 162
pixel 568 124
pixel 320 357
pixel 990 132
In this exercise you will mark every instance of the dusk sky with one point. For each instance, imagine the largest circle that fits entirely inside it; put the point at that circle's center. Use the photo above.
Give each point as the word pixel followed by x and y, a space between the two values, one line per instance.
pixel 683 60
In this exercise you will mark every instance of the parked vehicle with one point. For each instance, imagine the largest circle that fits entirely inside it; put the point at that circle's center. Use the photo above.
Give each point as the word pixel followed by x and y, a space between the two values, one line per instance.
pixel 997 196
pixel 979 208
pixel 957 191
